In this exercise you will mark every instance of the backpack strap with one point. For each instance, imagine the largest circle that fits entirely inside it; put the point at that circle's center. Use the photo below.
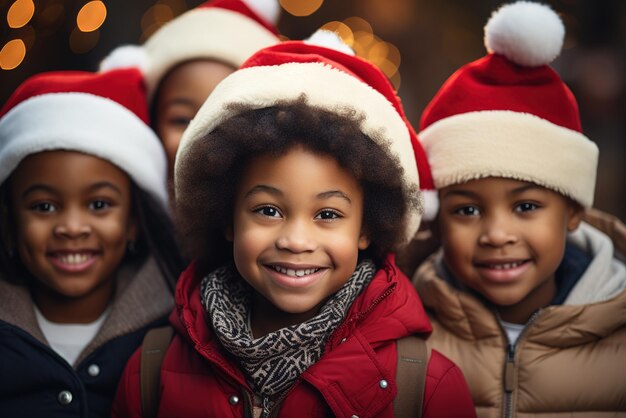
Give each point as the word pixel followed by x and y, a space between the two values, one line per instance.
pixel 153 349
pixel 410 377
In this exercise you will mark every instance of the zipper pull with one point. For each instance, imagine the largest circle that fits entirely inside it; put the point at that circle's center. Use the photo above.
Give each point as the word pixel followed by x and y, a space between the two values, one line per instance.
pixel 509 369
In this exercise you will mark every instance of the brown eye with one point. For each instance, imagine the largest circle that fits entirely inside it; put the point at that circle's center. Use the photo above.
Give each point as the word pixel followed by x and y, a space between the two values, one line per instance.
pixel 328 215
pixel 43 207
pixel 468 211
pixel 526 207
pixel 99 205
pixel 269 211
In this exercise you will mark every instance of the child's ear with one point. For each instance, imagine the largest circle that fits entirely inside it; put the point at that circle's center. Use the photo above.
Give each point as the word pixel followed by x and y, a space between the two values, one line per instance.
pixel 575 216
pixel 364 241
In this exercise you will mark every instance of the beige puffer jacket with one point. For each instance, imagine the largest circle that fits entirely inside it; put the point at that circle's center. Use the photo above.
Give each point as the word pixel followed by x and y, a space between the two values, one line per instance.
pixel 570 360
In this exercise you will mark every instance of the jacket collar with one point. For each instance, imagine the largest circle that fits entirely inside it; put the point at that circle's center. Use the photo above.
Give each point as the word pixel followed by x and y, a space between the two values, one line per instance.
pixel 386 310
pixel 141 297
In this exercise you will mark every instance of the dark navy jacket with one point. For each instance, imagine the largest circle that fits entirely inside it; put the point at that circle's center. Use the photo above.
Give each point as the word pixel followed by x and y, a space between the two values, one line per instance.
pixel 36 382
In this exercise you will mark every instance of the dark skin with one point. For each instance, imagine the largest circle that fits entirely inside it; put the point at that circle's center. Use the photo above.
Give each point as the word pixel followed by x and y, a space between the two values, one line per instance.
pixel 73 220
pixel 181 93
pixel 521 312
pixel 505 239
pixel 66 310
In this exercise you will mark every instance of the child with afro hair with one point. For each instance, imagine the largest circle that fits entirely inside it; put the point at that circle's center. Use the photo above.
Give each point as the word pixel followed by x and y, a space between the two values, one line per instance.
pixel 293 184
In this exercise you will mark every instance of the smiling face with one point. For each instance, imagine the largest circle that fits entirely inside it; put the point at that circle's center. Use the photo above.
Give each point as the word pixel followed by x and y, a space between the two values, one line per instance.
pixel 297 228
pixel 73 221
pixel 505 239
pixel 181 93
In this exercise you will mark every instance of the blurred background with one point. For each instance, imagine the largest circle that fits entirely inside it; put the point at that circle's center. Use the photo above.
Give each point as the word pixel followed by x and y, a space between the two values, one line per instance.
pixel 417 43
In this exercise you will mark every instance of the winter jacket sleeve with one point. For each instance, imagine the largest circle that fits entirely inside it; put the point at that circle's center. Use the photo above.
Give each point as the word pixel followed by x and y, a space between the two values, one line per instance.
pixel 127 403
pixel 446 393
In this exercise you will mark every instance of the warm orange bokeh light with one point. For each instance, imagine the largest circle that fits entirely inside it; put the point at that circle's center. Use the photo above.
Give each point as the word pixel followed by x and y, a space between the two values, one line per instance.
pixel 358 24
pixel 301 7
pixel 91 16
pixel 12 54
pixel 342 30
pixel 20 13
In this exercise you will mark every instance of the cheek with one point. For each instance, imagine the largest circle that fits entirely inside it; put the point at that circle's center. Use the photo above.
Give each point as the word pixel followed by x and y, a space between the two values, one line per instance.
pixel 249 242
pixel 29 233
pixel 171 139
pixel 457 240
pixel 116 230
pixel 343 249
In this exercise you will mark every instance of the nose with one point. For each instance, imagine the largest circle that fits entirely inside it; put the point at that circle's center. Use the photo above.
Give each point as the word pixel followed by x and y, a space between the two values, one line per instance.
pixel 72 225
pixel 296 237
pixel 498 230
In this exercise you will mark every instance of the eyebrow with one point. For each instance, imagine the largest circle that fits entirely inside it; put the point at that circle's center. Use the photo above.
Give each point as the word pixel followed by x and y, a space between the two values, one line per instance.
pixel 180 101
pixel 37 188
pixel 334 193
pixel 105 185
pixel 261 188
pixel 45 188
pixel 525 188
pixel 465 193
pixel 468 193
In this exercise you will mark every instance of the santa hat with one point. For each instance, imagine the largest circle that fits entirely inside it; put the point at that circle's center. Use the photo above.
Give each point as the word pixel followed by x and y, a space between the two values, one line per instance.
pixel 509 114
pixel 228 31
pixel 330 79
pixel 100 114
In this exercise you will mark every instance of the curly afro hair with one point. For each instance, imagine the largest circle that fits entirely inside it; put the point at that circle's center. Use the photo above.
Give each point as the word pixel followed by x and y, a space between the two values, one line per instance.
pixel 208 175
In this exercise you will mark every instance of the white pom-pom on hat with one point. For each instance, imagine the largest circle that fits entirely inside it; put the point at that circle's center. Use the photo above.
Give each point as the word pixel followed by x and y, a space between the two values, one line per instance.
pixel 328 39
pixel 431 204
pixel 528 34
pixel 267 9
pixel 126 56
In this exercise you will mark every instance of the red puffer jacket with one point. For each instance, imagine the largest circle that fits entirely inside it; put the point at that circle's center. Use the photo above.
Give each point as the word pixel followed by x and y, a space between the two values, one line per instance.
pixel 199 379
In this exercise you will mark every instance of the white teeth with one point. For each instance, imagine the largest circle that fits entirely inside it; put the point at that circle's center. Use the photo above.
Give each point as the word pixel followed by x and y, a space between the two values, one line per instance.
pixel 73 258
pixel 506 266
pixel 294 272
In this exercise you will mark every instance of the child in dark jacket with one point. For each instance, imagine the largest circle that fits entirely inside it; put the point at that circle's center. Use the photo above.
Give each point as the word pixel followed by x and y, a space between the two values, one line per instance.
pixel 524 296
pixel 293 183
pixel 88 261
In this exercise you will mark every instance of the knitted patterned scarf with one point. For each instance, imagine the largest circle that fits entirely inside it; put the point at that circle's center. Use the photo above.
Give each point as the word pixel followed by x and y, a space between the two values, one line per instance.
pixel 274 361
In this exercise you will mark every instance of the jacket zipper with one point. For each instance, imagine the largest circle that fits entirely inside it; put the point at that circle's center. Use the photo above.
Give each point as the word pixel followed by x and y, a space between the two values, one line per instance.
pixel 360 315
pixel 266 407
pixel 269 409
pixel 510 366
pixel 509 380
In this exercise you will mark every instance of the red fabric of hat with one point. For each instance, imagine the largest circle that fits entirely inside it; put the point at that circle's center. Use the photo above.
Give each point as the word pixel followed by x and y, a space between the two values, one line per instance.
pixel 509 114
pixel 244 8
pixel 495 83
pixel 100 114
pixel 122 86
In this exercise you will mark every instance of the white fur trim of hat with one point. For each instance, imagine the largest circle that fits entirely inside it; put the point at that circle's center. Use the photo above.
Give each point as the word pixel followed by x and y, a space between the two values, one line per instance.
pixel 496 143
pixel 85 123
pixel 325 87
pixel 210 32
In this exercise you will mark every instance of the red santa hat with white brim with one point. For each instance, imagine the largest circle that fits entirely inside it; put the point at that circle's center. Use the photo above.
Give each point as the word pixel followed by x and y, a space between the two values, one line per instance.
pixel 330 79
pixel 509 114
pixel 227 31
pixel 100 114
